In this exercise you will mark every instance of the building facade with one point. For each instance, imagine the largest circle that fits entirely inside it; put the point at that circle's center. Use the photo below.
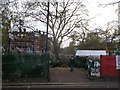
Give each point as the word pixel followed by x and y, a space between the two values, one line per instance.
pixel 29 42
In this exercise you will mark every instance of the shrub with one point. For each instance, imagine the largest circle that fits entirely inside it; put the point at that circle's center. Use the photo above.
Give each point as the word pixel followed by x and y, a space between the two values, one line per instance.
pixel 80 62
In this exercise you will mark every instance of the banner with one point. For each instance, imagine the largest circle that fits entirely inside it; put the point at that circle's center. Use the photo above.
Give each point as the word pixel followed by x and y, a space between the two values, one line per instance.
pixel 108 67
pixel 117 62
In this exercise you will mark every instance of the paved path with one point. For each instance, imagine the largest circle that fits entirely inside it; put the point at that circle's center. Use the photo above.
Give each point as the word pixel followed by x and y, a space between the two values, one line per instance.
pixel 78 78
pixel 64 75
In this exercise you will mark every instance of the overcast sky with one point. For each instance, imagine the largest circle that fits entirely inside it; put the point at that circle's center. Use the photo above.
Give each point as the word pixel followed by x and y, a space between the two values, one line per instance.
pixel 102 14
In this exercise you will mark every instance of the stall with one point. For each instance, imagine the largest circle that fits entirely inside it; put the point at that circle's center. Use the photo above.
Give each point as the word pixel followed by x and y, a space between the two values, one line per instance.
pixel 93 60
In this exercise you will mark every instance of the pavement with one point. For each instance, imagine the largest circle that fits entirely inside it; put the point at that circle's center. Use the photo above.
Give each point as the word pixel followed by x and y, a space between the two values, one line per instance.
pixel 64 78
pixel 64 75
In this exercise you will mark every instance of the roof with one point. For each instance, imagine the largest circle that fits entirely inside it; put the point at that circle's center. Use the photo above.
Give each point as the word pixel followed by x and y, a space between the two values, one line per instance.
pixel 90 52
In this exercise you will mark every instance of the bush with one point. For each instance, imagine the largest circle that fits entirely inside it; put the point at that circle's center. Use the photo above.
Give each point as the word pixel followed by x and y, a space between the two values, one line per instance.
pixel 25 65
pixel 80 62
pixel 8 64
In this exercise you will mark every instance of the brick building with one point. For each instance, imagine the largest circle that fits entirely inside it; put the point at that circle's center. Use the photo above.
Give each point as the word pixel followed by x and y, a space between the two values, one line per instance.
pixel 30 42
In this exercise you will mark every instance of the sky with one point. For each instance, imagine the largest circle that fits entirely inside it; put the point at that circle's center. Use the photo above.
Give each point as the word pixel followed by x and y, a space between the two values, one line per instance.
pixel 101 15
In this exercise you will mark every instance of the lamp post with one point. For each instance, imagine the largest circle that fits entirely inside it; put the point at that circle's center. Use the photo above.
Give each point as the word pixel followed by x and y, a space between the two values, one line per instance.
pixel 46 48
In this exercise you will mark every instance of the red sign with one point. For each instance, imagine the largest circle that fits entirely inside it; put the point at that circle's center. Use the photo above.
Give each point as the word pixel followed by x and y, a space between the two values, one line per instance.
pixel 108 67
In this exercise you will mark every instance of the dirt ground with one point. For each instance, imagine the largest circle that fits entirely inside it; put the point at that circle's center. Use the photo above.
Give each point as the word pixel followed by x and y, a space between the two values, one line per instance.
pixel 64 74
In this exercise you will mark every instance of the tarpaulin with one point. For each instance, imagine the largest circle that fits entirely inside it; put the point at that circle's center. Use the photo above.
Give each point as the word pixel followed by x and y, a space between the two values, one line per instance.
pixel 108 67
pixel 90 52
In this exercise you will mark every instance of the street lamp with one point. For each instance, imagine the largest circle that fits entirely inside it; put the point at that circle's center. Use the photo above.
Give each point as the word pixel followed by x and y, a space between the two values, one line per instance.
pixel 46 48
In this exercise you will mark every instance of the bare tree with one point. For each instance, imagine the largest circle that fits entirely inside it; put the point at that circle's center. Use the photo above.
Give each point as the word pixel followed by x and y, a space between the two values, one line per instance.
pixel 5 19
pixel 9 14
pixel 110 30
pixel 64 16
pixel 113 3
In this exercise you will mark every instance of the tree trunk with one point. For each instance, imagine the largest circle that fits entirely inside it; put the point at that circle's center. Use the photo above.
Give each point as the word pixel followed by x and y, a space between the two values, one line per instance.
pixel 56 50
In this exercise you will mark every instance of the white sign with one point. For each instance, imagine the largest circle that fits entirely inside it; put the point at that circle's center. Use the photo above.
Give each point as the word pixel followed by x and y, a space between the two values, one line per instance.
pixel 117 62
